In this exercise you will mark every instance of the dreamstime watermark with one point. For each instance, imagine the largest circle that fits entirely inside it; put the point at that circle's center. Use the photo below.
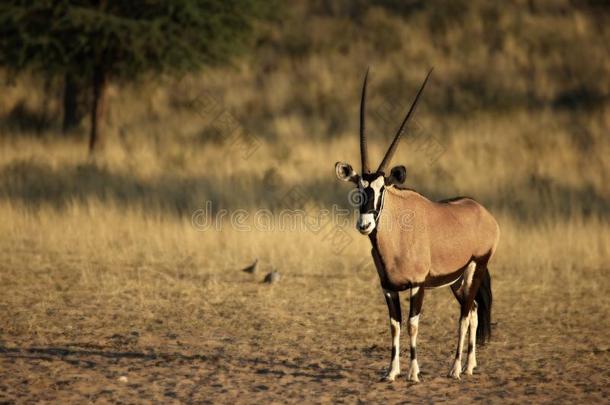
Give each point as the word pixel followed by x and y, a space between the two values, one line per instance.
pixel 298 214
pixel 266 220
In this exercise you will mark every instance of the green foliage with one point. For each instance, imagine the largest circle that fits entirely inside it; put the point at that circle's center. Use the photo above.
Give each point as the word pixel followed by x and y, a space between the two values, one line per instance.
pixel 124 38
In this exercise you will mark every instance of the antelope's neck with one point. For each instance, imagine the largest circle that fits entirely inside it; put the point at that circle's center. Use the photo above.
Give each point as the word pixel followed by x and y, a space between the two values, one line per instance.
pixel 397 238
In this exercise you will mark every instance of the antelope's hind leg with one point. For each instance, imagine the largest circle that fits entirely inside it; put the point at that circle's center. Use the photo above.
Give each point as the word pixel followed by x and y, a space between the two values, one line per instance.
pixel 393 301
pixel 415 304
pixel 464 294
pixel 471 363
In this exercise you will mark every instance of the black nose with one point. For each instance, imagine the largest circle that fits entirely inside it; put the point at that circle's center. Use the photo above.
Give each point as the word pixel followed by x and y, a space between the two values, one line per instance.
pixel 363 226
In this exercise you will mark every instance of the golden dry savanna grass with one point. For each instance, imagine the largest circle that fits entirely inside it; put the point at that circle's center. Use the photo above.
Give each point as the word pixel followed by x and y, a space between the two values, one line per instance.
pixel 109 292
pixel 104 276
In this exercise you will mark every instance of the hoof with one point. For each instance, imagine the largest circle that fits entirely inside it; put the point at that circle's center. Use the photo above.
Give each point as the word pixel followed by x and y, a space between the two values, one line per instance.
pixel 470 368
pixel 455 371
pixel 390 377
pixel 454 375
pixel 414 372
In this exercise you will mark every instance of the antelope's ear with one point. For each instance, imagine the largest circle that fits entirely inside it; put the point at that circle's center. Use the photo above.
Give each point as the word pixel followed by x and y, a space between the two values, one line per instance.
pixel 345 172
pixel 397 176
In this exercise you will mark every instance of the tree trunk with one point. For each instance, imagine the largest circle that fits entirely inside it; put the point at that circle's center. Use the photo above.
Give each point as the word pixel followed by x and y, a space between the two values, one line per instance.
pixel 72 112
pixel 98 109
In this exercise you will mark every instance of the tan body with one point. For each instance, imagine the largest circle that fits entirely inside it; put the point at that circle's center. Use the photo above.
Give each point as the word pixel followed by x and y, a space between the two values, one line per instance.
pixel 424 243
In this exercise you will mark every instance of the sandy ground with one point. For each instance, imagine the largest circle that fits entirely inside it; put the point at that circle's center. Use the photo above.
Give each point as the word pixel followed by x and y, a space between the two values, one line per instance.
pixel 305 341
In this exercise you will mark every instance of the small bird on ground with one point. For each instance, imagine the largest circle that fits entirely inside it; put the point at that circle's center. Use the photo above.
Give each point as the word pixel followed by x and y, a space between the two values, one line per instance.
pixel 251 269
pixel 273 277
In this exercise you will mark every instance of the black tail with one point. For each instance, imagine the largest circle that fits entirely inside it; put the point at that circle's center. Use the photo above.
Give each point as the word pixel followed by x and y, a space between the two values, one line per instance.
pixel 484 300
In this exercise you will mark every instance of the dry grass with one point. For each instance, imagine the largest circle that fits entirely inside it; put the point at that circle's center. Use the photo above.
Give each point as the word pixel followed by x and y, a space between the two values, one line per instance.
pixel 103 273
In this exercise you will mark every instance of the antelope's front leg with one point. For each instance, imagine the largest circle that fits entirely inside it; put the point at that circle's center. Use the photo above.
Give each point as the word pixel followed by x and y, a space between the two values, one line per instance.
pixel 393 301
pixel 415 304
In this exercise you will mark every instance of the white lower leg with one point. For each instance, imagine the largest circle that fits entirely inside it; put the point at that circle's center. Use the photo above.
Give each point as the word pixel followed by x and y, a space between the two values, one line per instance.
pixel 472 340
pixel 395 362
pixel 456 370
pixel 414 367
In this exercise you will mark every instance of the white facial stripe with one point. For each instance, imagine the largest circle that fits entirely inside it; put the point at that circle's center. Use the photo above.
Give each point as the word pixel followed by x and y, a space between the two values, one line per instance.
pixel 376 186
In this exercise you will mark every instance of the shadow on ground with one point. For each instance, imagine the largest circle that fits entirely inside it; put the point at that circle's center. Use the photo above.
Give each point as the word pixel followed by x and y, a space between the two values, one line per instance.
pixel 89 357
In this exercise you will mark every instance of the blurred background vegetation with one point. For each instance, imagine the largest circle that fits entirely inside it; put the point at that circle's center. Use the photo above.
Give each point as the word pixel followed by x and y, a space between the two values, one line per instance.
pixel 518 101
pixel 240 102
pixel 494 58
pixel 87 44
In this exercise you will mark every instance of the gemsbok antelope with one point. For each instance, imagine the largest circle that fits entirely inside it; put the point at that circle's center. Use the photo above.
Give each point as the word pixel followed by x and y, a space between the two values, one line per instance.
pixel 420 244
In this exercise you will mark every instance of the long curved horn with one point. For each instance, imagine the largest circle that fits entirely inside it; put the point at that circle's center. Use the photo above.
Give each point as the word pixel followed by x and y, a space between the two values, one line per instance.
pixel 392 149
pixel 363 151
